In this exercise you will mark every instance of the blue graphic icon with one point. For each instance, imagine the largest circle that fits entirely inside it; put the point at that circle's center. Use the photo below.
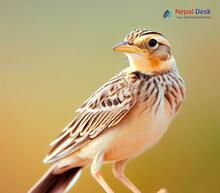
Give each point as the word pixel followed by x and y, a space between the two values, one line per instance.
pixel 167 14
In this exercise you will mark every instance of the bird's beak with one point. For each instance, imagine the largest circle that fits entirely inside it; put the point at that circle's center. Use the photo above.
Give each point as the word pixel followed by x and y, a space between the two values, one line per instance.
pixel 126 47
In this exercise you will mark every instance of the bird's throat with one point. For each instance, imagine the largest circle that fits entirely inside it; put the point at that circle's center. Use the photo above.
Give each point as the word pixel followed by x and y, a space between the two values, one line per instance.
pixel 148 64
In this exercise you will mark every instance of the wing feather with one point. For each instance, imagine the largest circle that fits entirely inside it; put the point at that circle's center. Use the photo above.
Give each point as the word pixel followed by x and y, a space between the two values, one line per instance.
pixel 103 110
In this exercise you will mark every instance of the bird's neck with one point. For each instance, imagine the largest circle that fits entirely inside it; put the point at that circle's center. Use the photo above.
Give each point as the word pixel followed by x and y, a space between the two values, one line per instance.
pixel 146 64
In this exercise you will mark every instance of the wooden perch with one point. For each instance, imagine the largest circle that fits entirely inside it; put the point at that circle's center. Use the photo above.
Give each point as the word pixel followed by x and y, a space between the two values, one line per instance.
pixel 163 190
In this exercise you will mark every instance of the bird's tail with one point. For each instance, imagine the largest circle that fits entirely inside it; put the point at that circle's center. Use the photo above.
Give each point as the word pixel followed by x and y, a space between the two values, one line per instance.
pixel 56 183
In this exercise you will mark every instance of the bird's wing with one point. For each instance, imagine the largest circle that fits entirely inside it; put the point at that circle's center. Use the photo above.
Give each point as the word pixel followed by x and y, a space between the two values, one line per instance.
pixel 103 110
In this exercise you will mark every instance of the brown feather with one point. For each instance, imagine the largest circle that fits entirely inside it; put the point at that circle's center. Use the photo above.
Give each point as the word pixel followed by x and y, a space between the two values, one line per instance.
pixel 54 183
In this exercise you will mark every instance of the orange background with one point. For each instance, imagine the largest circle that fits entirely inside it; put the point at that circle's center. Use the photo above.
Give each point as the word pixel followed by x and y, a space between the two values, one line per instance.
pixel 54 54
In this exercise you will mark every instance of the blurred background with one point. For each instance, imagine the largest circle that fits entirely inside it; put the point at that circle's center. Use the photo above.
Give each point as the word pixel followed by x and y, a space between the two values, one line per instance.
pixel 54 54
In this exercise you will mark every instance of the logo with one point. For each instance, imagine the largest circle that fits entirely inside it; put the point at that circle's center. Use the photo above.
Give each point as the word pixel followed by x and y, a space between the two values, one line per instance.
pixel 188 13
pixel 167 14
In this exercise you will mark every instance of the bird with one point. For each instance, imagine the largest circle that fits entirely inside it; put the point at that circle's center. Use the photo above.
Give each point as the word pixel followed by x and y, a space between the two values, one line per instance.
pixel 121 120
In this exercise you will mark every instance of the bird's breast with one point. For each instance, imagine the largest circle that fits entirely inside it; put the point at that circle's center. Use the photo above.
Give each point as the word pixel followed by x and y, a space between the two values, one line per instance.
pixel 138 132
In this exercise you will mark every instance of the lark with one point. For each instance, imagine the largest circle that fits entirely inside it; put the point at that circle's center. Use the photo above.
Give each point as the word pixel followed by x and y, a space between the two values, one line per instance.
pixel 122 119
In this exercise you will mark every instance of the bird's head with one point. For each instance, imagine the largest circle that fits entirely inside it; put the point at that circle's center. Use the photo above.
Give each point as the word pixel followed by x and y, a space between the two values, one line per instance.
pixel 148 51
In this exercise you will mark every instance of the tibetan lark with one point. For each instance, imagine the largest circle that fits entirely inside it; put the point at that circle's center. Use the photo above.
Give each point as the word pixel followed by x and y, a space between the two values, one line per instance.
pixel 122 119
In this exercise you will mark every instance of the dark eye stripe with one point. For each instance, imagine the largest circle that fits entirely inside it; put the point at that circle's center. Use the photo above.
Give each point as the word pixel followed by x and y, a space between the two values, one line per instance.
pixel 152 32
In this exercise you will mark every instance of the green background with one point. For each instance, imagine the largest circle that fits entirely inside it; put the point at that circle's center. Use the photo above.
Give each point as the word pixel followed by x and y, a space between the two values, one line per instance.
pixel 54 54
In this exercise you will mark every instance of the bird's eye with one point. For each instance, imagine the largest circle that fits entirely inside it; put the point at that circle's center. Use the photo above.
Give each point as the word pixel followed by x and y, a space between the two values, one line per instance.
pixel 152 43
